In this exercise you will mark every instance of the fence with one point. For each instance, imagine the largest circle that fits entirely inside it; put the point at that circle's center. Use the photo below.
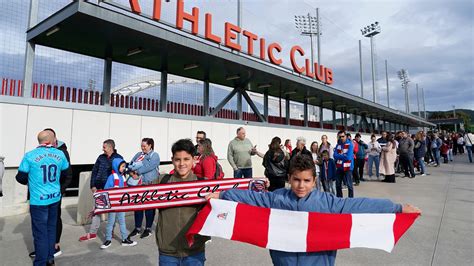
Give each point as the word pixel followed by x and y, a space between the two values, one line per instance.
pixel 12 87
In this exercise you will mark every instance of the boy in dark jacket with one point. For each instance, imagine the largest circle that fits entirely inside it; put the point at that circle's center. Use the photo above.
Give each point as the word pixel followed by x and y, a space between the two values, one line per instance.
pixel 117 180
pixel 359 160
pixel 328 173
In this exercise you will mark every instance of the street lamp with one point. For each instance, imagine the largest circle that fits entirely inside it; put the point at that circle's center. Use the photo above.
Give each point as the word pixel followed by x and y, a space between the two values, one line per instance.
pixel 370 31
pixel 309 26
pixel 403 76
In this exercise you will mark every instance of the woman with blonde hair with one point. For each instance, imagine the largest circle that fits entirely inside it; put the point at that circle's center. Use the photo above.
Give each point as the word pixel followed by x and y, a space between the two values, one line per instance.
pixel 387 160
pixel 326 146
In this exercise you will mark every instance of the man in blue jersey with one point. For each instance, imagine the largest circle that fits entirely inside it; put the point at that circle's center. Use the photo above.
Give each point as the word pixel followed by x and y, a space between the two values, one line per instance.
pixel 41 169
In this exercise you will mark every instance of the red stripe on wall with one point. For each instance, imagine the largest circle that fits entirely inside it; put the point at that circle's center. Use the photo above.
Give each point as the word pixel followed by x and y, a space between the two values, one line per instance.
pixel 251 225
pixel 325 234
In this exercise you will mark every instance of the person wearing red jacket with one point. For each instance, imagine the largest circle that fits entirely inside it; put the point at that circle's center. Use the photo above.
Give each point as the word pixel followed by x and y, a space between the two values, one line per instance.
pixel 206 166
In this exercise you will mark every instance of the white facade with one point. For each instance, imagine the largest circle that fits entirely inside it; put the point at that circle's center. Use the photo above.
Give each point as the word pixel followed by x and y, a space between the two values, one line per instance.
pixel 84 131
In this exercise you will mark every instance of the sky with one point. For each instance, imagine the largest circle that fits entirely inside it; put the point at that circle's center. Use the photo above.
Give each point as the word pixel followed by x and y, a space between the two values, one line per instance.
pixel 433 40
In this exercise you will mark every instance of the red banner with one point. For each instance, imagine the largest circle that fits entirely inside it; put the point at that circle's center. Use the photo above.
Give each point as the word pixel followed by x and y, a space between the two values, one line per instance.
pixel 166 195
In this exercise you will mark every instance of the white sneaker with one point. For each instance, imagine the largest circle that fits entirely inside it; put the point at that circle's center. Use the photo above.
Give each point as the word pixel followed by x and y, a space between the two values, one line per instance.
pixel 128 243
pixel 106 244
pixel 423 175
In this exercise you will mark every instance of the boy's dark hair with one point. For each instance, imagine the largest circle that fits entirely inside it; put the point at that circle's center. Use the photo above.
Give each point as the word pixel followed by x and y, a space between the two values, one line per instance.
pixel 301 163
pixel 341 132
pixel 325 152
pixel 120 164
pixel 357 135
pixel 183 145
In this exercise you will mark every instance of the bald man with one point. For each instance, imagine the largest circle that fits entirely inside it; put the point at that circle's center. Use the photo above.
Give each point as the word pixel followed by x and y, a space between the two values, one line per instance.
pixel 41 169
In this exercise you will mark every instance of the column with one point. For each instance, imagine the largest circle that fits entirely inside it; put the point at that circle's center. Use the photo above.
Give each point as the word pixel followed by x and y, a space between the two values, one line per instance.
pixel 163 91
pixel 321 118
pixel 305 112
pixel 239 104
pixel 205 98
pixel 265 105
pixel 105 99
pixel 30 52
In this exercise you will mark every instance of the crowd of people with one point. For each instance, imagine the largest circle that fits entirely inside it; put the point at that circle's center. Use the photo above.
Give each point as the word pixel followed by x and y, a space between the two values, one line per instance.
pixel 324 167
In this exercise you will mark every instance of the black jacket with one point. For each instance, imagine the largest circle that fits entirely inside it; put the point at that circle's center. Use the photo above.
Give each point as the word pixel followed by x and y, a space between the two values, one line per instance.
pixel 275 166
pixel 303 152
pixel 66 176
pixel 420 149
pixel 102 169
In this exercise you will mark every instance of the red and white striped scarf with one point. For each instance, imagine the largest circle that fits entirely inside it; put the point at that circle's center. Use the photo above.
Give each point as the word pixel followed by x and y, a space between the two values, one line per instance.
pixel 341 163
pixel 117 180
pixel 163 195
pixel 141 157
pixel 294 231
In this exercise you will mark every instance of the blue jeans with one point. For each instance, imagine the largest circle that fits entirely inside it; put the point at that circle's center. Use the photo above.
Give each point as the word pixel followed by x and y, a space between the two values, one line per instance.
pixel 193 260
pixel 243 173
pixel 330 186
pixel 149 215
pixel 374 159
pixel 43 225
pixel 437 155
pixel 469 153
pixel 347 177
pixel 111 223
pixel 421 163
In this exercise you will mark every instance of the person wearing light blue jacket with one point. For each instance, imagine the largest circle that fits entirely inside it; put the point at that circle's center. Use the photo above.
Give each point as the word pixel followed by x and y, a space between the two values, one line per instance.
pixel 117 180
pixel 146 165
pixel 303 197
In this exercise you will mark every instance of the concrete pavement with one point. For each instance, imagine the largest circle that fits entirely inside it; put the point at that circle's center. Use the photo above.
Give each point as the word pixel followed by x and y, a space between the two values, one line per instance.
pixel 443 235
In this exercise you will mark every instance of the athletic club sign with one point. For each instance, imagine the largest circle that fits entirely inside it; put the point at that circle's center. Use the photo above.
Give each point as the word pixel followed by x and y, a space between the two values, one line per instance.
pixel 231 31
pixel 167 195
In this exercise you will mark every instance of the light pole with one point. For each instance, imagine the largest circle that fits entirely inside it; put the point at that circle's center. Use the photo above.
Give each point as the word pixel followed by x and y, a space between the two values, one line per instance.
pixel 239 18
pixel 418 100
pixel 424 106
pixel 309 26
pixel 386 79
pixel 403 76
pixel 370 31
pixel 361 72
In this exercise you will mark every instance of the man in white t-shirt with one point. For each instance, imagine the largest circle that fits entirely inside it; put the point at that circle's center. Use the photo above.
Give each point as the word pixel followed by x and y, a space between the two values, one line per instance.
pixel 469 140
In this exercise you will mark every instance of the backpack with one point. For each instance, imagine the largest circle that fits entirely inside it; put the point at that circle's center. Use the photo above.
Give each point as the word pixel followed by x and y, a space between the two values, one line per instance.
pixel 218 174
pixel 279 169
